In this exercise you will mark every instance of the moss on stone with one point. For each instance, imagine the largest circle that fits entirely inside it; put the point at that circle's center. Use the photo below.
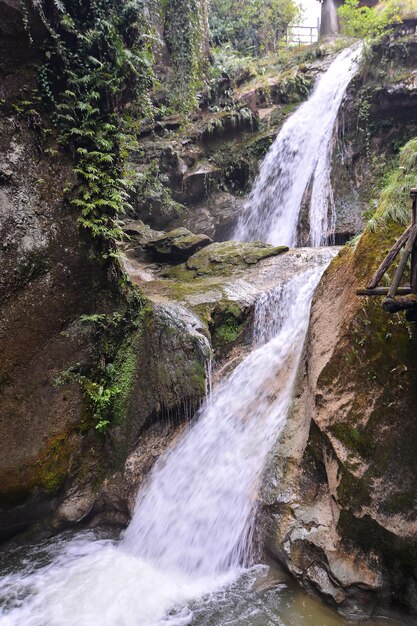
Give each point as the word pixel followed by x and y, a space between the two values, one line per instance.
pixel 227 326
pixel 399 554
pixel 125 366
pixel 223 257
pixel 49 473
pixel 177 244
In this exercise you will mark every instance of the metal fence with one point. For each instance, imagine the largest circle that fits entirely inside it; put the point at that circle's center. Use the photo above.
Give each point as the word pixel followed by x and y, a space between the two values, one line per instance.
pixel 298 35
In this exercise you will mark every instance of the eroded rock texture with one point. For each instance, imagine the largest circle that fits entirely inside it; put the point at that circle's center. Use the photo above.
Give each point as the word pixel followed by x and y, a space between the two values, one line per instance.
pixel 341 495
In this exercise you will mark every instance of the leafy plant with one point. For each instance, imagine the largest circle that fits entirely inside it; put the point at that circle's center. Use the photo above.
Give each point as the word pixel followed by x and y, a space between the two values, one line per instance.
pixel 251 26
pixel 102 382
pixel 186 31
pixel 95 80
pixel 394 201
pixel 367 22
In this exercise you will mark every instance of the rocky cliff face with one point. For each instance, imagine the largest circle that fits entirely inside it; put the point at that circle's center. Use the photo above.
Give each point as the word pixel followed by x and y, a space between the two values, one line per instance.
pixel 53 285
pixel 345 522
pixel 48 279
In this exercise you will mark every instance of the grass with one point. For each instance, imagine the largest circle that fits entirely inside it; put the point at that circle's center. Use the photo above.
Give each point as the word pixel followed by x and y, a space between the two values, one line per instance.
pixel 395 204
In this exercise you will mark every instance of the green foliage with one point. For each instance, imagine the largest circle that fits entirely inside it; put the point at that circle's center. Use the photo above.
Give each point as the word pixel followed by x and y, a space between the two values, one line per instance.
pixel 104 383
pixel 407 9
pixel 251 26
pixel 367 22
pixel 151 189
pixel 395 197
pixel 186 31
pixel 228 63
pixel 364 115
pixel 95 78
pixel 99 396
pixel 395 204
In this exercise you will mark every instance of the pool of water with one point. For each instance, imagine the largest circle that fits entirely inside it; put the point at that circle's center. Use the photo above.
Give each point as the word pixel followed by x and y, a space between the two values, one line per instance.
pixel 261 596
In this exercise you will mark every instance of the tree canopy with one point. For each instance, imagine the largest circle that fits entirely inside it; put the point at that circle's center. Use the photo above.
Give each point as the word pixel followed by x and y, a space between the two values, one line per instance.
pixel 251 26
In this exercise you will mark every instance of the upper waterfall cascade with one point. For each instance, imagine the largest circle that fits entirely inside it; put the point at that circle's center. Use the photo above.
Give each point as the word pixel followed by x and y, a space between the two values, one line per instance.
pixel 300 156
pixel 194 522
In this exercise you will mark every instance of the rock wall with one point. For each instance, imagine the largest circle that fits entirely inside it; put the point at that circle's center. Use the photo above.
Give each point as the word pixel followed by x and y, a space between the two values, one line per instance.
pixel 51 456
pixel 377 117
pixel 341 500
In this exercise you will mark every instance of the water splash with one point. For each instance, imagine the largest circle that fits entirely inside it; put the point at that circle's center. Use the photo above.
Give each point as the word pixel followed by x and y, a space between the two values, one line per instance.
pixel 300 155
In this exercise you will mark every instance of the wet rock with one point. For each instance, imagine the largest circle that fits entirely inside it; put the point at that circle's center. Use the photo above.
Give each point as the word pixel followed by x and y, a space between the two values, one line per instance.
pixel 139 232
pixel 216 216
pixel 157 209
pixel 77 505
pixel 199 183
pixel 366 142
pixel 341 491
pixel 221 257
pixel 176 245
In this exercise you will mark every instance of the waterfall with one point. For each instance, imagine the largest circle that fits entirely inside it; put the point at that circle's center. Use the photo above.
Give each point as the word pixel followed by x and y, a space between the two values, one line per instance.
pixel 299 156
pixel 196 516
pixel 193 525
pixel 329 20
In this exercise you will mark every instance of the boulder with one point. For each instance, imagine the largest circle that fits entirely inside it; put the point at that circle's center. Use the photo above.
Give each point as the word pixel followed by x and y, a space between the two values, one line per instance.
pixel 223 256
pixel 177 245
pixel 198 183
pixel 137 231
pixel 341 491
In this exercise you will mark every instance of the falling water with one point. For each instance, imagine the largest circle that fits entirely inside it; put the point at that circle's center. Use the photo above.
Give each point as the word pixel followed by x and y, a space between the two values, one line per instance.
pixel 193 523
pixel 329 21
pixel 299 156
pixel 196 516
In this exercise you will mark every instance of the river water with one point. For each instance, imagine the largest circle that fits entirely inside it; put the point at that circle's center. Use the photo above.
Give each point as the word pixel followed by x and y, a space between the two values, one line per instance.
pixel 188 556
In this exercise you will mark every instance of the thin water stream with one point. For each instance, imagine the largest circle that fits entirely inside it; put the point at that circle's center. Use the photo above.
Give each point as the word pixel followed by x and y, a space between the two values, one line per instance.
pixel 187 556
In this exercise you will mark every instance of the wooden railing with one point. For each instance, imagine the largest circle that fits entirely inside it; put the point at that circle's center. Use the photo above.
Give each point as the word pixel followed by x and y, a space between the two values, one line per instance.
pixel 399 298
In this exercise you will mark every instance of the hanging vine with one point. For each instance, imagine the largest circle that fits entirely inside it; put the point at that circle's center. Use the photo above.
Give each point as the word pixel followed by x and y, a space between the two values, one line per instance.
pixel 95 81
pixel 186 36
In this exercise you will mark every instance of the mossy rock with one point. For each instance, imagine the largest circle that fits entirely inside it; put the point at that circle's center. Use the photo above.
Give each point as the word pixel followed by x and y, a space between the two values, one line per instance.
pixel 177 245
pixel 223 257
pixel 228 323
pixel 139 232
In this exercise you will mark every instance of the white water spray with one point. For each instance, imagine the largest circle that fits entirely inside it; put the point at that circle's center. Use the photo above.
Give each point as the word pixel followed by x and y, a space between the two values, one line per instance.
pixel 300 155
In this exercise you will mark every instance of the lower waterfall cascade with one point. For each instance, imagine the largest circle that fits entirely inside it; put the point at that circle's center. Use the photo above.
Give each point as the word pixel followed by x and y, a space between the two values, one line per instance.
pixel 193 529
pixel 193 524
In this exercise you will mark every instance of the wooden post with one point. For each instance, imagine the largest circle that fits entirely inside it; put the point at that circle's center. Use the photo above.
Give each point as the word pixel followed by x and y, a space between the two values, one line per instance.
pixel 389 259
pixel 383 291
pixel 407 300
pixel 413 274
pixel 401 265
